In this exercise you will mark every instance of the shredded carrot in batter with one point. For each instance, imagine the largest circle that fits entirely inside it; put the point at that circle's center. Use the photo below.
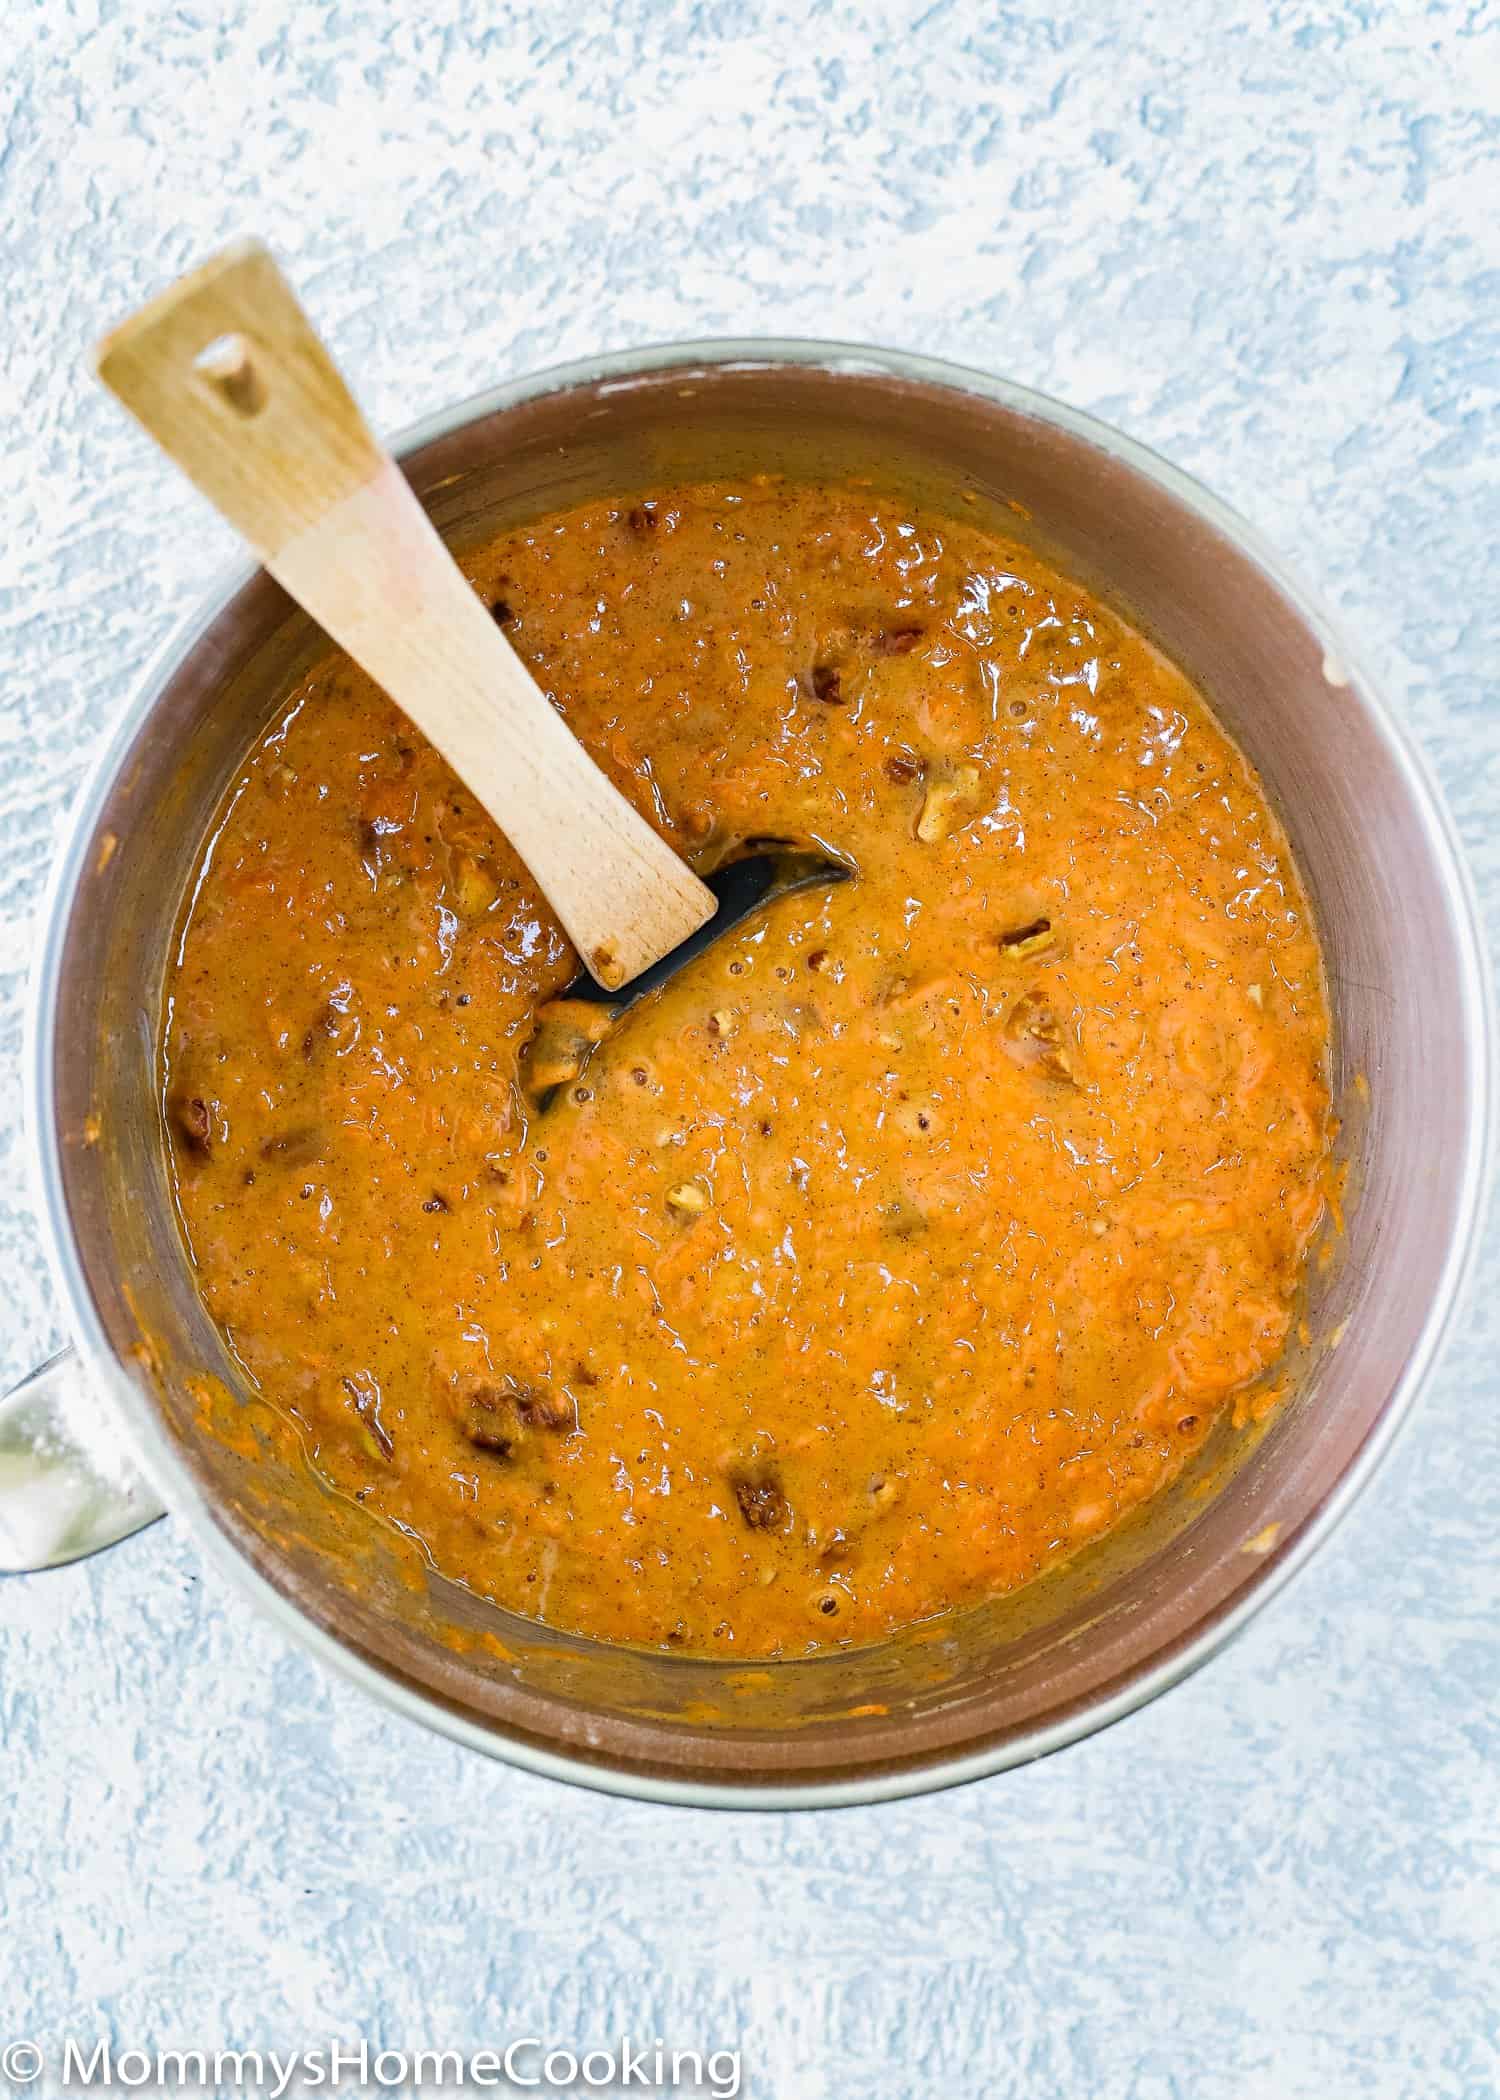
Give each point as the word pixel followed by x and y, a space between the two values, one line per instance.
pixel 913 1236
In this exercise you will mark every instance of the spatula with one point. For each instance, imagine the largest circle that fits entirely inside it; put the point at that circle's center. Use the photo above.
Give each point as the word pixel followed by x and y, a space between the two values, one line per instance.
pixel 227 374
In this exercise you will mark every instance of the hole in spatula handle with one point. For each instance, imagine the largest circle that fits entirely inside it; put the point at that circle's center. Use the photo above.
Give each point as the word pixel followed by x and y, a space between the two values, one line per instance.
pixel 228 367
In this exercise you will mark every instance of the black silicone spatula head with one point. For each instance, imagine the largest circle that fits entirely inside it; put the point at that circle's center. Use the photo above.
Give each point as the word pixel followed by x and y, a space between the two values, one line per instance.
pixel 571 1027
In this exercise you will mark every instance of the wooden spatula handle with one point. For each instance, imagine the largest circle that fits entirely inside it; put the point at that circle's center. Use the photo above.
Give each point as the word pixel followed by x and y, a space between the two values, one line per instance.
pixel 226 373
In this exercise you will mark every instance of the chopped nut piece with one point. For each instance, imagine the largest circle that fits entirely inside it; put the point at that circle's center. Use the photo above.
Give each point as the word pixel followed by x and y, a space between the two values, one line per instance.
pixel 335 1022
pixel 687 1200
pixel 902 767
pixel 941 802
pixel 932 824
pixel 1256 994
pixel 567 1030
pixel 474 887
pixel 498 1418
pixel 554 1061
pixel 1034 1036
pixel 761 1502
pixel 536 1409
pixel 1032 939
pixel 192 1126
pixel 721 1024
pixel 487 1426
pixel 585 1016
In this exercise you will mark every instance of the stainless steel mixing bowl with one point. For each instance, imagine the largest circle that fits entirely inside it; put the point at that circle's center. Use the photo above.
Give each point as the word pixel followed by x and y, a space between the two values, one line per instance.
pixel 989 1687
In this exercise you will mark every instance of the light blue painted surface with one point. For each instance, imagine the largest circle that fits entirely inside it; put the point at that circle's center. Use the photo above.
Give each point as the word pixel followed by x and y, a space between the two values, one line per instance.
pixel 1263 239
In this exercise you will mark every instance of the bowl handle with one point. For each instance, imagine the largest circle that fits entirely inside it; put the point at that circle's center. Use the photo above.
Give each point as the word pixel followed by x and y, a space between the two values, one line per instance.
pixel 54 1505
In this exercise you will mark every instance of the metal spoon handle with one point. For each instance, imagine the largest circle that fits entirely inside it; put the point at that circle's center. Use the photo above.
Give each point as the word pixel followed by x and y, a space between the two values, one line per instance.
pixel 54 1506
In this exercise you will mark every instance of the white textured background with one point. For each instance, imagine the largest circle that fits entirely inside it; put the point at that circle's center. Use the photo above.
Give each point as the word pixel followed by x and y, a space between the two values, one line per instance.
pixel 1261 237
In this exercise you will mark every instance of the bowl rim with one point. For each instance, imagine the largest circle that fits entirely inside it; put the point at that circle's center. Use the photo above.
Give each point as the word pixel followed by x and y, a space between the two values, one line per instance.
pixel 620 370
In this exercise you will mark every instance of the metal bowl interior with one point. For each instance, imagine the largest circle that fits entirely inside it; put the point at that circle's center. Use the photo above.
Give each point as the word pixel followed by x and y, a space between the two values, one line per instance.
pixel 1005 1681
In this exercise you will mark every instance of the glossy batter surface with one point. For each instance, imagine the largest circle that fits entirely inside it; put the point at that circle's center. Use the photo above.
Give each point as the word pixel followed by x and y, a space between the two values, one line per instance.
pixel 900 1247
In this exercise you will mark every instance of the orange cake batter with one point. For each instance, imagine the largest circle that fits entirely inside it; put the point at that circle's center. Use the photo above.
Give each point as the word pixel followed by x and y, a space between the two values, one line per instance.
pixel 912 1236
